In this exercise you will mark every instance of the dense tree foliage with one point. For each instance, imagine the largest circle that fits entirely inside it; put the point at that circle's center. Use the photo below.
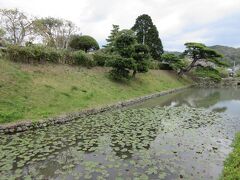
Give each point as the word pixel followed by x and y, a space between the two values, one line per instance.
pixel 141 57
pixel 16 24
pixel 174 61
pixel 111 38
pixel 85 43
pixel 130 56
pixel 199 52
pixel 147 34
pixel 123 61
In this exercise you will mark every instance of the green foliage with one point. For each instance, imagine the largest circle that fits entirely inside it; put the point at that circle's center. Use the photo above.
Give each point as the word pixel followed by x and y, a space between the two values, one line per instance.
pixel 2 33
pixel 85 43
pixel 175 62
pixel 232 164
pixel 199 52
pixel 33 54
pixel 164 66
pixel 238 73
pixel 223 72
pixel 42 54
pixel 82 58
pixel 153 64
pixel 124 48
pixel 141 57
pixel 130 56
pixel 110 40
pixel 208 72
pixel 102 58
pixel 121 67
pixel 147 34
pixel 124 43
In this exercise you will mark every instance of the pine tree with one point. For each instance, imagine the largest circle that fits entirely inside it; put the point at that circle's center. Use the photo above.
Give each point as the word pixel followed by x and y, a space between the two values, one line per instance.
pixel 111 38
pixel 147 34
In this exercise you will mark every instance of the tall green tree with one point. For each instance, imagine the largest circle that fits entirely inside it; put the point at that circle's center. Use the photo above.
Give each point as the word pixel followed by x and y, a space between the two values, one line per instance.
pixel 129 56
pixel 111 38
pixel 199 52
pixel 123 62
pixel 141 57
pixel 147 34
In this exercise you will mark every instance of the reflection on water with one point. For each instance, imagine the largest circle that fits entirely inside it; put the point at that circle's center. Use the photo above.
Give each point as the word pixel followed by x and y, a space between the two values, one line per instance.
pixel 180 140
pixel 220 100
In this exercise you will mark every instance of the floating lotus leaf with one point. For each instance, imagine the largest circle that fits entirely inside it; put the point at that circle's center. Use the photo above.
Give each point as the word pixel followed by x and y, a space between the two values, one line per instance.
pixel 146 143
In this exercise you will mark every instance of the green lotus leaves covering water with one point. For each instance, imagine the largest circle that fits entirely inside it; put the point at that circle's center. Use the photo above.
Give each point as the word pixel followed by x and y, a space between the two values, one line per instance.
pixel 146 143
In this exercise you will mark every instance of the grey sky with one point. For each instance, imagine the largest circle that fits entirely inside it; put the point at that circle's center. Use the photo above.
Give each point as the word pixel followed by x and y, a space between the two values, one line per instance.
pixel 178 21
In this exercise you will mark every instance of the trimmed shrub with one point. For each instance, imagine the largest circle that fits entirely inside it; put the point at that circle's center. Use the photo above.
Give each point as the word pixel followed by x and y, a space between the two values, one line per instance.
pixel 85 43
pixel 102 59
pixel 33 54
pixel 82 58
pixel 42 54
pixel 121 68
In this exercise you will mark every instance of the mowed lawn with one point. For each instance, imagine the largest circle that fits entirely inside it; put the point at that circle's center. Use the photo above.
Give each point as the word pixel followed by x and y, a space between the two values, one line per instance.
pixel 31 92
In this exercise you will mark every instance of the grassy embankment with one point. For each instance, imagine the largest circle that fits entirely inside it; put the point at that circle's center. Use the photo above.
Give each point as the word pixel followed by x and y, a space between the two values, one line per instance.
pixel 39 91
pixel 232 164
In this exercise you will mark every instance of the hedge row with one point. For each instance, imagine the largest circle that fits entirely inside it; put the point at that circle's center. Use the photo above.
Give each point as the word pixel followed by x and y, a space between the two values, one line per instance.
pixel 41 54
pixel 35 54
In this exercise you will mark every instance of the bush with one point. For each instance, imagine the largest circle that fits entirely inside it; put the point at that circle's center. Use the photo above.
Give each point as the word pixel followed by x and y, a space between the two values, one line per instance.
pixel 102 58
pixel 42 54
pixel 238 73
pixel 33 54
pixel 153 64
pixel 208 72
pixel 223 72
pixel 165 66
pixel 82 58
pixel 121 68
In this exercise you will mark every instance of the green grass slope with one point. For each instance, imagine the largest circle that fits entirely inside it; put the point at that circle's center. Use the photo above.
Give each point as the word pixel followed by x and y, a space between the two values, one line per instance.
pixel 232 164
pixel 39 91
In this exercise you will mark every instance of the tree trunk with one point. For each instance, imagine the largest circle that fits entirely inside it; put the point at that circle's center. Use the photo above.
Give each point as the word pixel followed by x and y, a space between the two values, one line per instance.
pixel 182 71
pixel 134 73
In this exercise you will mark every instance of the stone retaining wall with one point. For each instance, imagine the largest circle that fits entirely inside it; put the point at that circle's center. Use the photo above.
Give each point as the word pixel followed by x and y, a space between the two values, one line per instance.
pixel 28 125
pixel 225 82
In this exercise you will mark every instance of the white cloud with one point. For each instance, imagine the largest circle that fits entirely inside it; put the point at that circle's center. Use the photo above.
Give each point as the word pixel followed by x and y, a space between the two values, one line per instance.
pixel 172 17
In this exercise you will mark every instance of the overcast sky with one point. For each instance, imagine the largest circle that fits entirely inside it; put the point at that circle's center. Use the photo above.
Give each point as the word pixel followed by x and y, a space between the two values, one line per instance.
pixel 178 21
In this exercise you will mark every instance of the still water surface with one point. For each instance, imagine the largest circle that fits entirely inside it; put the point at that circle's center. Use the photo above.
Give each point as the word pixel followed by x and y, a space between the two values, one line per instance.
pixel 185 135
